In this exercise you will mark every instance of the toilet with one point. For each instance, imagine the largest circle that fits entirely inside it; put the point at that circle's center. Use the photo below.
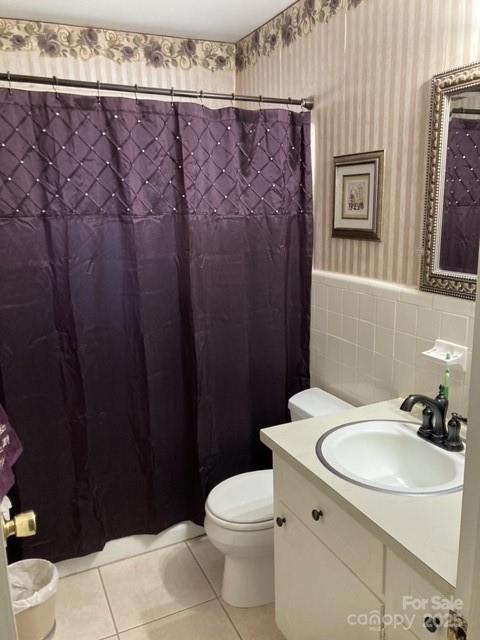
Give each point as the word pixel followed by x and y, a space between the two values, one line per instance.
pixel 239 516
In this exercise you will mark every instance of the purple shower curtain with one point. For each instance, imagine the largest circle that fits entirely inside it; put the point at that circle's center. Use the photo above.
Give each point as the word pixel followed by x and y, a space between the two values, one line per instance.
pixel 155 264
pixel 461 204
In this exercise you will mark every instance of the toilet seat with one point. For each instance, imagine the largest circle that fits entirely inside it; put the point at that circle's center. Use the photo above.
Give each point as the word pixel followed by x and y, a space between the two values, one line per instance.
pixel 243 502
pixel 236 526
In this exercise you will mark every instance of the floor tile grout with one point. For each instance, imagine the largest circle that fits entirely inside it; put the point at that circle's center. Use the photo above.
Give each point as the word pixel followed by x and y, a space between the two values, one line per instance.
pixel 220 609
pixel 214 591
pixel 119 631
pixel 203 572
pixel 108 602
pixel 168 615
pixel 136 555
pixel 229 617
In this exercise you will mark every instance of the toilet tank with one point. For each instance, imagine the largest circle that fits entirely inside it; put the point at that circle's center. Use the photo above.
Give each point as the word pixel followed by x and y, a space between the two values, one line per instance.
pixel 315 402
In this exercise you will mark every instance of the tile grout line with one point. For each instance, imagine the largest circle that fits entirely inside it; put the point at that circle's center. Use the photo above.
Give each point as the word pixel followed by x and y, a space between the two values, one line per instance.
pixel 219 599
pixel 168 615
pixel 108 603
pixel 229 617
pixel 135 555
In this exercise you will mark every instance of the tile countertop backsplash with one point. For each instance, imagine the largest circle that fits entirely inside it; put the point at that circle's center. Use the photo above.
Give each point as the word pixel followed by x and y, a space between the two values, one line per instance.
pixel 368 336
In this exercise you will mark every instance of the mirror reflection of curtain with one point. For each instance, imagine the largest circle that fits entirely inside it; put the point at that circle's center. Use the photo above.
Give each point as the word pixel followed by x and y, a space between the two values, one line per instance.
pixel 155 269
pixel 461 206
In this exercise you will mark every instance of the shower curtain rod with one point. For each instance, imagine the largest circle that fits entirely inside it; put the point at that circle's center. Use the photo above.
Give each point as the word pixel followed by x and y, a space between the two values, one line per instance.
pixel 464 110
pixel 53 81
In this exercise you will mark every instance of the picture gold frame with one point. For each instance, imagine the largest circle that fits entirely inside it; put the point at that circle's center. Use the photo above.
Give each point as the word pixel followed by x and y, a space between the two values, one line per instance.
pixel 363 174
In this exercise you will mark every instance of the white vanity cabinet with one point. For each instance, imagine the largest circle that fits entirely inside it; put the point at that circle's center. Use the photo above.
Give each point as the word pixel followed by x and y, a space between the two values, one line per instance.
pixel 316 595
pixel 410 595
pixel 334 578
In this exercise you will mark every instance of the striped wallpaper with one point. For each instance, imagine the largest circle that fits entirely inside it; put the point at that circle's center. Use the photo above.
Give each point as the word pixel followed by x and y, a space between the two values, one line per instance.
pixel 370 70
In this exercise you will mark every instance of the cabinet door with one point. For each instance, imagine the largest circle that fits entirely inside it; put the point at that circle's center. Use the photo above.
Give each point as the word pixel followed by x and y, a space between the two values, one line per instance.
pixel 316 596
pixel 398 633
pixel 410 596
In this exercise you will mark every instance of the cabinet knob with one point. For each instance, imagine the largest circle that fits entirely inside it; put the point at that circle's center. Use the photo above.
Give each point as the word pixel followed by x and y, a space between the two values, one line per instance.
pixel 317 514
pixel 431 623
pixel 280 521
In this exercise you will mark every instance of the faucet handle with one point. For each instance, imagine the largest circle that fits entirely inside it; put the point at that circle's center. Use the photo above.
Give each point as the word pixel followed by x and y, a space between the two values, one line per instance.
pixel 426 429
pixel 453 441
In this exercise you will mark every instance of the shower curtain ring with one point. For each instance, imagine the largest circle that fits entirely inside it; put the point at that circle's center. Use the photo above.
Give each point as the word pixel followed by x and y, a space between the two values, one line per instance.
pixel 135 87
pixel 9 83
pixel 233 100
pixel 55 86
pixel 172 91
pixel 200 97
pixel 98 91
pixel 289 104
pixel 260 110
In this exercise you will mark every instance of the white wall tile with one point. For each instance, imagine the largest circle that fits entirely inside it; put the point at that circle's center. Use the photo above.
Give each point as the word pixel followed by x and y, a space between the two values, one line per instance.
pixel 320 295
pixel 385 313
pixel 349 328
pixel 405 347
pixel 348 354
pixel 365 361
pixel 318 319
pixel 334 324
pixel 333 348
pixel 366 335
pixel 376 335
pixel 454 305
pixel 350 303
pixel 384 339
pixel 382 368
pixel 423 344
pixel 416 297
pixel 454 328
pixel 406 318
pixel 318 342
pixel 334 299
pixel 428 323
pixel 366 307
pixel 403 378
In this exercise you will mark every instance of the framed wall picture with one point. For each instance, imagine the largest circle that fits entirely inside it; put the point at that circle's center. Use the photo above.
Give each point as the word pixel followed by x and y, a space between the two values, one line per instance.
pixel 358 187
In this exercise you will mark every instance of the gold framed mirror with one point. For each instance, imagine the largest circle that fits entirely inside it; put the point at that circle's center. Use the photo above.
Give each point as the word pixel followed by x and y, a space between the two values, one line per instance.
pixel 452 206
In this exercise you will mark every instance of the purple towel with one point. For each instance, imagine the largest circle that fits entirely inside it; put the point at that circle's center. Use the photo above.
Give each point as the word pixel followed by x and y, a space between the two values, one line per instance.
pixel 10 450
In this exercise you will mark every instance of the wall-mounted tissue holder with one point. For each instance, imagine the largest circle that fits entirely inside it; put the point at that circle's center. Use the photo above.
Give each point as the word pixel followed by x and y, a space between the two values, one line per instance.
pixel 440 351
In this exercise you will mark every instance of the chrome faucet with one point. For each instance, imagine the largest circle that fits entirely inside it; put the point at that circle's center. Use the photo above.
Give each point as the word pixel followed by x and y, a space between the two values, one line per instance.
pixel 435 412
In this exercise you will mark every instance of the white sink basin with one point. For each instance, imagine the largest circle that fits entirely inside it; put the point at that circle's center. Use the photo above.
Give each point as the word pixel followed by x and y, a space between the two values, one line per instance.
pixel 388 456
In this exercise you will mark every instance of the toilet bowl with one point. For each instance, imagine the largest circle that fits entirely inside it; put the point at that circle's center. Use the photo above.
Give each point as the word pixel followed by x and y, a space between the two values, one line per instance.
pixel 239 516
pixel 239 522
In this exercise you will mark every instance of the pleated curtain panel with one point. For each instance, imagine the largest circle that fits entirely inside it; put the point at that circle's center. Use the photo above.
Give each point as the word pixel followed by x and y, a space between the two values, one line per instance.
pixel 155 269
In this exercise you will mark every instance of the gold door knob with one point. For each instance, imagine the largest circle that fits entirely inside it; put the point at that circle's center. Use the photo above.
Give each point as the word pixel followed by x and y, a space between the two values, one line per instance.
pixel 23 526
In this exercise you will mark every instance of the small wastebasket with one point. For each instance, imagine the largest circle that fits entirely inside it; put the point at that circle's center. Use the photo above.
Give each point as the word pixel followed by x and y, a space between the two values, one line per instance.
pixel 33 585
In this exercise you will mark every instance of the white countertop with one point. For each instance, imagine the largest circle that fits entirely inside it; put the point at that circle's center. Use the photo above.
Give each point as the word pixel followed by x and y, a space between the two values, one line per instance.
pixel 425 529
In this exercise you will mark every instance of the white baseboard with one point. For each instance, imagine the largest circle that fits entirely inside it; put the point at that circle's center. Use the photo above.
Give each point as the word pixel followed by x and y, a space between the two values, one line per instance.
pixel 131 546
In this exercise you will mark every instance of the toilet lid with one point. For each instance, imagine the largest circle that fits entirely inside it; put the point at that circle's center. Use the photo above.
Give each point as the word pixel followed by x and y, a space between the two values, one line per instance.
pixel 243 499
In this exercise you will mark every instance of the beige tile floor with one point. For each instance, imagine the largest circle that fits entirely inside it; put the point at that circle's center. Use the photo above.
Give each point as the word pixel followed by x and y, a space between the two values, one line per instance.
pixel 168 594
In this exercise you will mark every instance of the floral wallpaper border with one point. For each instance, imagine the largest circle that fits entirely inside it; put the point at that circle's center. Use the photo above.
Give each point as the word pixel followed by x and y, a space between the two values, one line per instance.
pixel 296 21
pixel 84 43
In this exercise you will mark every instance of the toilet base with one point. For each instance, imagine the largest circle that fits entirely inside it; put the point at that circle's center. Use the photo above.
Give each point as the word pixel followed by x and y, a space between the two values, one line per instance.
pixel 248 582
pixel 248 570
